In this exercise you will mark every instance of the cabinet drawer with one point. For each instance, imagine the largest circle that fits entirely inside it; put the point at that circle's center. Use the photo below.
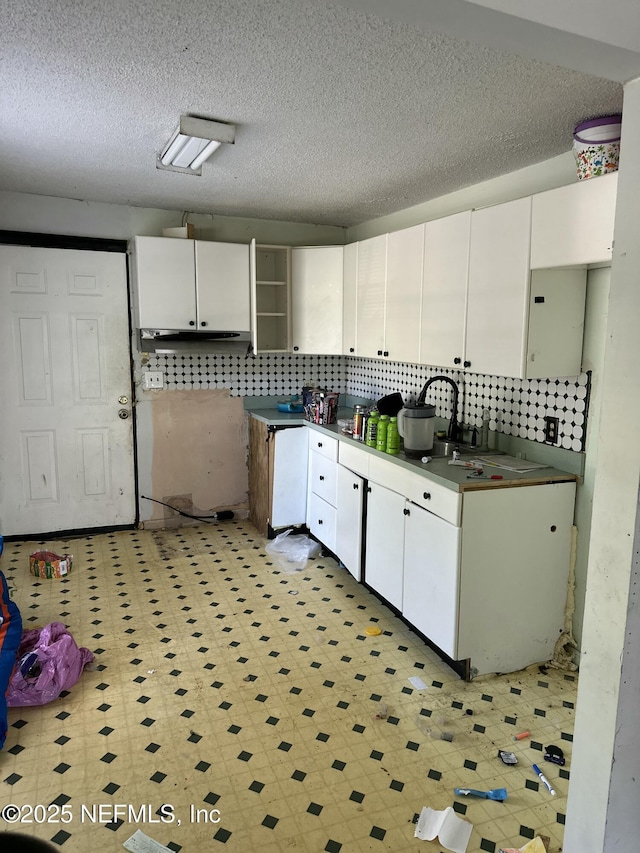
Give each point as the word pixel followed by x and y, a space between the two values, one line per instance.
pixel 321 519
pixel 438 499
pixel 323 474
pixel 324 445
pixel 354 458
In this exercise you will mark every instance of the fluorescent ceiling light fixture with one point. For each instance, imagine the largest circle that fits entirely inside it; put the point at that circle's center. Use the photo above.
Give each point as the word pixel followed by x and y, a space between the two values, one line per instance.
pixel 193 142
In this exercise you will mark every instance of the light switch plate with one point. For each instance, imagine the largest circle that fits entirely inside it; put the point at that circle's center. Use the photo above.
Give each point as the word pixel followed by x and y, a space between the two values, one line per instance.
pixel 152 380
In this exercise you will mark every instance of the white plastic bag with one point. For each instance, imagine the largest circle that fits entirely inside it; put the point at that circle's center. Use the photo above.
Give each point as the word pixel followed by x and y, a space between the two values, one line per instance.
pixel 292 552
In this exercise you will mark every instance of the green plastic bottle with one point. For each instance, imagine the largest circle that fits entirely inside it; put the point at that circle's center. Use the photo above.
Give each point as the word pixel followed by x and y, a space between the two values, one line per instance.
pixel 381 436
pixel 372 429
pixel 393 437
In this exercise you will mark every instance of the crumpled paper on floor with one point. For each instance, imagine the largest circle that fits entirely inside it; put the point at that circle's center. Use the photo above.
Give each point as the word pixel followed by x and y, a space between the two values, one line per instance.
pixel 452 832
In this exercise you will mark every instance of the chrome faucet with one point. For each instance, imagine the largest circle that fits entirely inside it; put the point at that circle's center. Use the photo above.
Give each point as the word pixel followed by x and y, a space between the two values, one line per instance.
pixel 453 432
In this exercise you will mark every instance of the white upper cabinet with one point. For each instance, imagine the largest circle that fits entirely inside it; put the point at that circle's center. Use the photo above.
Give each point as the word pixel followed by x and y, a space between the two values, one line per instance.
pixel 164 273
pixel 371 283
pixel 403 294
pixel 270 298
pixel 349 298
pixel 498 293
pixel 316 299
pixel 222 286
pixel 573 225
pixel 191 284
pixel 444 295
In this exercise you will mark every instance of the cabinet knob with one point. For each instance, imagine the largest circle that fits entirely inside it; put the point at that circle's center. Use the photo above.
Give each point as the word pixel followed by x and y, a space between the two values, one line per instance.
pixel 406 511
pixel 295 349
pixel 457 360
pixel 355 486
pixel 368 488
pixel 426 496
pixel 192 322
pixel 379 352
pixel 467 364
pixel 319 521
pixel 322 476
pixel 203 322
pixel 385 353
pixel 319 444
pixel 352 349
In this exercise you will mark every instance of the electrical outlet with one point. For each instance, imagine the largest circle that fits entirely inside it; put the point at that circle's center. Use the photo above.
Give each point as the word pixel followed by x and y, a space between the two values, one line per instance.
pixel 551 429
pixel 152 380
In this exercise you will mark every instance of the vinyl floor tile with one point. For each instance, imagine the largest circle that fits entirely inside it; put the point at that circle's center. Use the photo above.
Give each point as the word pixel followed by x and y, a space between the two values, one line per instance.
pixel 253 703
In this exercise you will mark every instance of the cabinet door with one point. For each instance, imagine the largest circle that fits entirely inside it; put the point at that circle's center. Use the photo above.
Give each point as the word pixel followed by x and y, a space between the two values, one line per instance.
pixel 222 286
pixel 444 290
pixel 431 577
pixel 349 299
pixel 289 484
pixel 498 294
pixel 349 520
pixel 385 543
pixel 405 255
pixel 165 283
pixel 372 275
pixel 516 549
pixel 316 299
pixel 574 225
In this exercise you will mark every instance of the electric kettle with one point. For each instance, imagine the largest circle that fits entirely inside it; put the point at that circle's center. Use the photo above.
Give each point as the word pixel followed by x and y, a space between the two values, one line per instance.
pixel 416 426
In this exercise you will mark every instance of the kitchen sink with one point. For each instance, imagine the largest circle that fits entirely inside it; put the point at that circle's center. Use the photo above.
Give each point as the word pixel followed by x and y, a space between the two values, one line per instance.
pixel 446 448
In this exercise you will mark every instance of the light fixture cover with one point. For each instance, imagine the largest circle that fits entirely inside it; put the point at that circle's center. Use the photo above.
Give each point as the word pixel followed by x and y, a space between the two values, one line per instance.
pixel 192 143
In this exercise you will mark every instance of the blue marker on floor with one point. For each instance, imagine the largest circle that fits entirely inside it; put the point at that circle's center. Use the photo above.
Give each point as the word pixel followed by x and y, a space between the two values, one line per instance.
pixel 544 780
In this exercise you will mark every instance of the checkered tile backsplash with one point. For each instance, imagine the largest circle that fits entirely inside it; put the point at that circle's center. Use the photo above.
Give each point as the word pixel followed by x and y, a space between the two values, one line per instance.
pixel 517 406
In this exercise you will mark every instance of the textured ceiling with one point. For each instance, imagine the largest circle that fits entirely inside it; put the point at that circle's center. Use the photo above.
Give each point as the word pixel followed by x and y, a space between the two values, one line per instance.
pixel 341 116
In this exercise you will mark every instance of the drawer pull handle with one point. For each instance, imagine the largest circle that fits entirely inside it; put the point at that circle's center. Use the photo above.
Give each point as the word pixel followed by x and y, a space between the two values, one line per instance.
pixel 426 496
pixel 322 476
pixel 406 511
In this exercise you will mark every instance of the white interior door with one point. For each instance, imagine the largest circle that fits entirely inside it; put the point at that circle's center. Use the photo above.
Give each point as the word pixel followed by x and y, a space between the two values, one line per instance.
pixel 66 444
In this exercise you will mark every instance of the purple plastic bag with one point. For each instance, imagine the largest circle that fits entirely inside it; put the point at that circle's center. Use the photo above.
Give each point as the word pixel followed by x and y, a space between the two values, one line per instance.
pixel 58 666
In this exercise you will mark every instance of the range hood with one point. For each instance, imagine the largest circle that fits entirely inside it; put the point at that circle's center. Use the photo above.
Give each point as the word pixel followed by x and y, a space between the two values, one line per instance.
pixel 179 340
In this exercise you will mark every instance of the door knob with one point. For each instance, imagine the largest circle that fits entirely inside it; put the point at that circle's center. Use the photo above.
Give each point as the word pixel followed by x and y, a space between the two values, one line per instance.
pixel 123 400
pixel 123 414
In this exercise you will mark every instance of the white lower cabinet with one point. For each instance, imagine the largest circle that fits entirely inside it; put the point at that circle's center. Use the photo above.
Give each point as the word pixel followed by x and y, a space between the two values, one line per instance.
pixel 432 577
pixel 482 573
pixel 322 494
pixel 489 591
pixel 385 543
pixel 350 495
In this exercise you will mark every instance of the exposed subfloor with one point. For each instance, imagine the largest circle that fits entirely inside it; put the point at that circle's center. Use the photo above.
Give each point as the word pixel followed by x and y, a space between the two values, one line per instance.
pixel 252 702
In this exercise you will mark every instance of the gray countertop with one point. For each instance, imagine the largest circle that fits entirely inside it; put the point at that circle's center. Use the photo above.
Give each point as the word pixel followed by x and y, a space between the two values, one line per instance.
pixel 438 469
